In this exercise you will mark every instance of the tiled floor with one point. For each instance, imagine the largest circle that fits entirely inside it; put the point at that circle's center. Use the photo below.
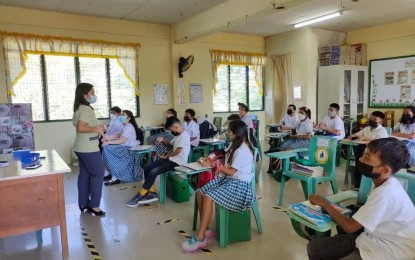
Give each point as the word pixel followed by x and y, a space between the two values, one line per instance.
pixel 127 233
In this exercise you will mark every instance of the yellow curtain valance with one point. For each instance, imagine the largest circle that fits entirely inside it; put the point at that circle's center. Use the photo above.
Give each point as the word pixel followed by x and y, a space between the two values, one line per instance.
pixel 256 60
pixel 17 46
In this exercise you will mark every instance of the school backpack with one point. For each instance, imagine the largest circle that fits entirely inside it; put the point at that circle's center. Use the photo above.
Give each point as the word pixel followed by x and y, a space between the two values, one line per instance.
pixel 206 130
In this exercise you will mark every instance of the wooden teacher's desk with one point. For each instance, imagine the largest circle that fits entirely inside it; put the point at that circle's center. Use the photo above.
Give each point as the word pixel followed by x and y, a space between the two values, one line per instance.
pixel 32 200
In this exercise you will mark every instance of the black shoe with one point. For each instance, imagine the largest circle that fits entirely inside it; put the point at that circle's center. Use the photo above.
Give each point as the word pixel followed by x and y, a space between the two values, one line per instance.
pixel 109 183
pixel 96 213
pixel 108 177
pixel 83 208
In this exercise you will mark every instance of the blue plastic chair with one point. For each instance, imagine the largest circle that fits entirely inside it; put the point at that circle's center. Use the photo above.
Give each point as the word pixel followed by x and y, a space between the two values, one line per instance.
pixel 321 152
pixel 224 213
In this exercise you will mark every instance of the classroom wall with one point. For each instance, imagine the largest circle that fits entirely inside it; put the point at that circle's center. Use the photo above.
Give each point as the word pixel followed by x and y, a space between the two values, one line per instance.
pixel 201 70
pixel 303 45
pixel 385 41
pixel 154 58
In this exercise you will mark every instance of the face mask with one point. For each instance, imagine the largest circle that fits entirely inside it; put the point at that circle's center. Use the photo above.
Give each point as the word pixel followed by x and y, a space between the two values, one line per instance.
pixel 174 133
pixel 92 99
pixel 301 117
pixel 169 115
pixel 289 112
pixel 331 113
pixel 406 118
pixel 122 119
pixel 367 170
pixel 372 123
pixel 186 118
pixel 112 116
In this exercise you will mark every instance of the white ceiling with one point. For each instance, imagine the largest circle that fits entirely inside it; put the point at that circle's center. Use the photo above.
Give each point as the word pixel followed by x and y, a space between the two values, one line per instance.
pixel 360 14
pixel 356 15
pixel 150 11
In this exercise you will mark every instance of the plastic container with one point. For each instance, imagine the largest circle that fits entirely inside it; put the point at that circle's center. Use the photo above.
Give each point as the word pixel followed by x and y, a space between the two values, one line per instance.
pixel 239 225
pixel 177 188
pixel 20 153
pixel 30 160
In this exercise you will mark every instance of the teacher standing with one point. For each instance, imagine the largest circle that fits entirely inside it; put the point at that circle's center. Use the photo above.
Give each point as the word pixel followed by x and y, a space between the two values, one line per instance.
pixel 91 170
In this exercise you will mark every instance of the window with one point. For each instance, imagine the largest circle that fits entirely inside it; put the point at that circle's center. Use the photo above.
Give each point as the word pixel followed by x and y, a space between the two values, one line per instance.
pixel 236 84
pixel 50 81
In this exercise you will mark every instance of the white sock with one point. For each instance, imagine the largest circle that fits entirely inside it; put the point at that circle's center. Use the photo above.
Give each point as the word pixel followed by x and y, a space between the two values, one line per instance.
pixel 113 178
pixel 106 173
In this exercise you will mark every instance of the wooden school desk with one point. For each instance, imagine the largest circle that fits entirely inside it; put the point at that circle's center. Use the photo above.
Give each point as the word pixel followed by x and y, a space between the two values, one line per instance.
pixel 32 200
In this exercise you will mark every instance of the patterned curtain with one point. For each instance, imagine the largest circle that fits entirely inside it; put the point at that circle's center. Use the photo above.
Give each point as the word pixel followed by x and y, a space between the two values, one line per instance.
pixel 17 46
pixel 256 60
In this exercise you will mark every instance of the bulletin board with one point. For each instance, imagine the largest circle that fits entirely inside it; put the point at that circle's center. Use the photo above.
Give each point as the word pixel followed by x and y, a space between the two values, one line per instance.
pixel 392 82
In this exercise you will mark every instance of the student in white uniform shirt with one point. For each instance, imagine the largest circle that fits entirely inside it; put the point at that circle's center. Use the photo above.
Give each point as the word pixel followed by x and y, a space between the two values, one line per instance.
pixel 406 129
pixel 115 125
pixel 303 132
pixel 332 123
pixel 191 126
pixel 387 218
pixel 243 114
pixel 373 131
pixel 122 164
pixel 291 119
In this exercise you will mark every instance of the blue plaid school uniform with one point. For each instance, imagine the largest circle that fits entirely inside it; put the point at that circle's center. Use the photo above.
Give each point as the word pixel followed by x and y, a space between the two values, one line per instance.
pixel 302 128
pixel 161 149
pixel 231 193
pixel 122 163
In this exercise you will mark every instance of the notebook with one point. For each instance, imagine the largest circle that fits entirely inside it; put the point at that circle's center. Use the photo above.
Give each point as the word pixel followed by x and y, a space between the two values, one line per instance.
pixel 189 167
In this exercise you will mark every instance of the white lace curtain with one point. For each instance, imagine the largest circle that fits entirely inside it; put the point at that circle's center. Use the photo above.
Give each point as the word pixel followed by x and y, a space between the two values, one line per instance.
pixel 18 46
pixel 256 60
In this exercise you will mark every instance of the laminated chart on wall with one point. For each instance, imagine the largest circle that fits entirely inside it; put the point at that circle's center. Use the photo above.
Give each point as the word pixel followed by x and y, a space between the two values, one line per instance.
pixel 196 93
pixel 392 82
pixel 16 127
pixel 180 93
pixel 160 94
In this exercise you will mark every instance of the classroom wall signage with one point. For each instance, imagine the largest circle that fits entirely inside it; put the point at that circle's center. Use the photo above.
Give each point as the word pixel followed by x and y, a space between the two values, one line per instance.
pixel 161 94
pixel 196 93
pixel 16 127
pixel 392 82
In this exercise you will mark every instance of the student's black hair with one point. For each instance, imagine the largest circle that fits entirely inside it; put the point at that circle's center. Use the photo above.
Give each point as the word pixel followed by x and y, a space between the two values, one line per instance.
pixel 81 90
pixel 116 109
pixel 138 133
pixel 379 114
pixel 174 112
pixel 171 121
pixel 239 128
pixel 293 106
pixel 392 152
pixel 191 112
pixel 412 108
pixel 245 107
pixel 335 106
pixel 233 117
pixel 307 111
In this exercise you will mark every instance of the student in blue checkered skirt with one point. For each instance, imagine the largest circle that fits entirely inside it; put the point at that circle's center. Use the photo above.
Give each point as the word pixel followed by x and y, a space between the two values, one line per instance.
pixel 303 132
pixel 231 189
pixel 123 164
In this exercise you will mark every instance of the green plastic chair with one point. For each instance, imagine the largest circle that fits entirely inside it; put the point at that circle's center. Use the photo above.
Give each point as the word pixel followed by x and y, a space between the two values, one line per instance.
pixel 256 124
pixel 224 213
pixel 319 146
pixel 408 181
pixel 389 130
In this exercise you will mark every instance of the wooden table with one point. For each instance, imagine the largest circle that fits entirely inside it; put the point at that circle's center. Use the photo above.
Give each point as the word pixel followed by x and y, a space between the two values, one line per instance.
pixel 32 200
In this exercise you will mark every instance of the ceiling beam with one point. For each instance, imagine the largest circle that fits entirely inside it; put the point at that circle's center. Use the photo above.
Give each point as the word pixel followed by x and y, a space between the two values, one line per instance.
pixel 227 15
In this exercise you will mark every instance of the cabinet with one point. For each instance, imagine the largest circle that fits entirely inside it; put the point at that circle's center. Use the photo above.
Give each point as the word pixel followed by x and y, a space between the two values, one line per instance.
pixel 345 85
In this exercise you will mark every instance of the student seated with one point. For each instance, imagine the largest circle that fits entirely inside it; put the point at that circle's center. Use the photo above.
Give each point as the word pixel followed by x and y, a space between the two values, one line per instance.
pixel 243 114
pixel 291 119
pixel 113 127
pixel 122 163
pixel 160 148
pixel 383 228
pixel 332 123
pixel 303 132
pixel 231 189
pixel 179 156
pixel 406 129
pixel 373 131
pixel 191 127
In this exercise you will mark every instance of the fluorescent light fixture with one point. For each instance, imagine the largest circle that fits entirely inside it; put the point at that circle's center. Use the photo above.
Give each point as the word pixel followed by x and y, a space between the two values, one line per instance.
pixel 318 19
